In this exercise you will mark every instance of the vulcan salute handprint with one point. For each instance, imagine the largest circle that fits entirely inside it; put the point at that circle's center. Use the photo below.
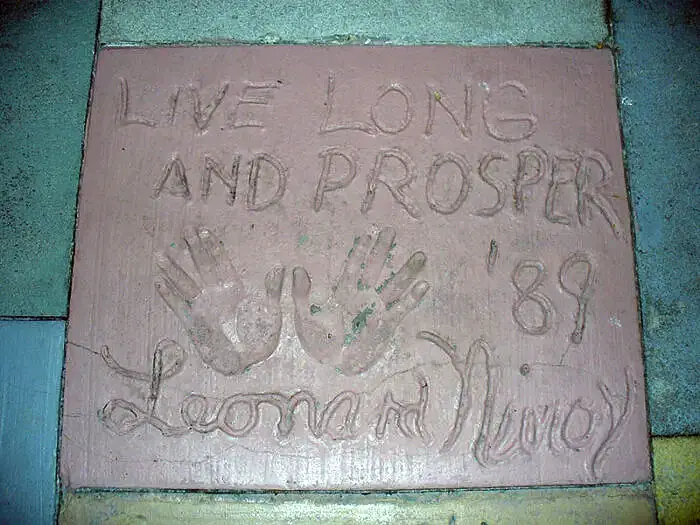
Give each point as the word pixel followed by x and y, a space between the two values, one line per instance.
pixel 229 327
pixel 352 328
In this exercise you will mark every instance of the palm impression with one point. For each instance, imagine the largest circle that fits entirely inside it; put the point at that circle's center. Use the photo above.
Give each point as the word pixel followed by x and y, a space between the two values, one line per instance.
pixel 231 328
pixel 351 329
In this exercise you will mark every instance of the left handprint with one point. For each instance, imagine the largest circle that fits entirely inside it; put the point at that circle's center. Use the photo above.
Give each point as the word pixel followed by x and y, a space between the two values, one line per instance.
pixel 230 328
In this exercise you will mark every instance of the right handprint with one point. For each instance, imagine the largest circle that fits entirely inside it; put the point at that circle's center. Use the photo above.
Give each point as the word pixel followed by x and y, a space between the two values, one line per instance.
pixel 351 329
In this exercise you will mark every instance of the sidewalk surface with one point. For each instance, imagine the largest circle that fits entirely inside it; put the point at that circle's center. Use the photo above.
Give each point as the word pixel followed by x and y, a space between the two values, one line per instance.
pixel 47 51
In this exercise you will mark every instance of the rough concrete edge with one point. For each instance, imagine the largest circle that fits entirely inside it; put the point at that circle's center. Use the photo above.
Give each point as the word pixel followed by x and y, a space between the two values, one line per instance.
pixel 614 49
pixel 349 40
pixel 555 501
pixel 59 438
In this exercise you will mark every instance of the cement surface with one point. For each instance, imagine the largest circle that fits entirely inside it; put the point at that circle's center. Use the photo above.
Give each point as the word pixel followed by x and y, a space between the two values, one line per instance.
pixel 480 329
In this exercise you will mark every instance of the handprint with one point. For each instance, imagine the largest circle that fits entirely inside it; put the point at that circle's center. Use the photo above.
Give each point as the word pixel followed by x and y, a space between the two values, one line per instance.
pixel 351 329
pixel 231 329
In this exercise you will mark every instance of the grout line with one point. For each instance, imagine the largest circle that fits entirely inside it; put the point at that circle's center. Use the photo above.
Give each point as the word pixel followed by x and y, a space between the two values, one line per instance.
pixel 641 485
pixel 345 41
pixel 675 436
pixel 20 318
pixel 633 231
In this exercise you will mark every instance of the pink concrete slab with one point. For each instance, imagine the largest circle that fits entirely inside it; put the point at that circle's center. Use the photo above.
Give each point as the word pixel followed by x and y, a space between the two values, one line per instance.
pixel 353 268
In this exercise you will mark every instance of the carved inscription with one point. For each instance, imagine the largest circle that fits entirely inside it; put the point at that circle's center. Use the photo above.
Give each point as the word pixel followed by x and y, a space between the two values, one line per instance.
pixel 123 417
pixel 357 275
pixel 409 417
pixel 255 94
pixel 349 332
pixel 584 174
pixel 582 292
pixel 194 413
pixel 497 122
pixel 252 93
pixel 349 155
pixel 531 165
pixel 559 427
pixel 463 366
pixel 438 97
pixel 464 171
pixel 528 292
pixel 514 432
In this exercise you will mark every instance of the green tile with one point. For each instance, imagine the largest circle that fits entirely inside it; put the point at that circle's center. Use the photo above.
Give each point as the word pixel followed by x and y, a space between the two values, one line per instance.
pixel 472 22
pixel 659 66
pixel 619 505
pixel 45 63
pixel 677 479
pixel 31 361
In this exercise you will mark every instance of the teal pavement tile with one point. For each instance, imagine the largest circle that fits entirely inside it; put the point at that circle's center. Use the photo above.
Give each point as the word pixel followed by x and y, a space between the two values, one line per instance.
pixel 31 357
pixel 46 51
pixel 659 73
pixel 473 22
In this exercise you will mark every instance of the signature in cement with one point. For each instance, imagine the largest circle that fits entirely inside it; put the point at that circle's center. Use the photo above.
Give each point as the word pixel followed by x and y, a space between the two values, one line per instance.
pixel 518 430
pixel 509 426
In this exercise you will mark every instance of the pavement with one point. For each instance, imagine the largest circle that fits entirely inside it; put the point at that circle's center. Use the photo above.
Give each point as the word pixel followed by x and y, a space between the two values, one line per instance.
pixel 47 50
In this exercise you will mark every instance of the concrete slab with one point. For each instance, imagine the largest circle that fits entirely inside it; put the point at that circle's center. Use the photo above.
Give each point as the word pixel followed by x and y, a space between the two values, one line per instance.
pixel 30 377
pixel 677 479
pixel 44 94
pixel 353 268
pixel 623 505
pixel 659 72
pixel 473 22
